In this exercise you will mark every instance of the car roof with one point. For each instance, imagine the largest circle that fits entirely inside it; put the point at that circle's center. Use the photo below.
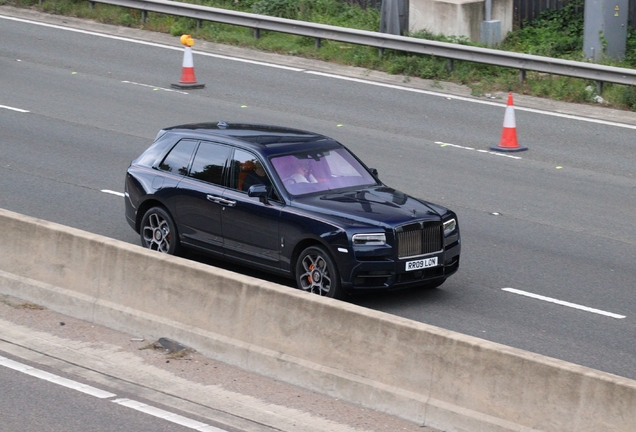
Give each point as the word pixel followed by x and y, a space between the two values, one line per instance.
pixel 267 139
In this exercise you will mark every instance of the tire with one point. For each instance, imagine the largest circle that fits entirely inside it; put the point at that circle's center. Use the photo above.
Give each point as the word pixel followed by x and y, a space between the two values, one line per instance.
pixel 316 273
pixel 158 231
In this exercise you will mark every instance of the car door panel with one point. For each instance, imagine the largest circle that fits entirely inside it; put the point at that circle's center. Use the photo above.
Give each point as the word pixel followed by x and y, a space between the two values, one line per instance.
pixel 250 229
pixel 199 206
pixel 250 225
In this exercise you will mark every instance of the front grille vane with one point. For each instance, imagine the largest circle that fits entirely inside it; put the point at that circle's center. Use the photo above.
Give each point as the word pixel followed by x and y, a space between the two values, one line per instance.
pixel 419 239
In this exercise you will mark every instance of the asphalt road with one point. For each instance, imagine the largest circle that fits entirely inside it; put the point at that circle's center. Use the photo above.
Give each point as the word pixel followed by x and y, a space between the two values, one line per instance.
pixel 33 404
pixel 555 221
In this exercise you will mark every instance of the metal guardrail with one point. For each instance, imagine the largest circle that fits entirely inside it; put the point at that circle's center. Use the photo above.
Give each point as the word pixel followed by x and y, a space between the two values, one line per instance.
pixel 383 41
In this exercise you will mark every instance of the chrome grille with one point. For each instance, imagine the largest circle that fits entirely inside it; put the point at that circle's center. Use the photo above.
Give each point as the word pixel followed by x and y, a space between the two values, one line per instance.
pixel 419 239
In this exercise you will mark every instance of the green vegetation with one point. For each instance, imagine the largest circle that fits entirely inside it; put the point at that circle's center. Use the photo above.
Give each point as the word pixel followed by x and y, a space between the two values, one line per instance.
pixel 556 34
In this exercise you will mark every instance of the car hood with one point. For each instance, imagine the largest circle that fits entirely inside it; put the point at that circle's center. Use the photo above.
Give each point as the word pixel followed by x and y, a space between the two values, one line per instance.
pixel 376 206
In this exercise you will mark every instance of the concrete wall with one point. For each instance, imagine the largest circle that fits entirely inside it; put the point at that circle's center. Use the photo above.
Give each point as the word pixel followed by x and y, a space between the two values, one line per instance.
pixel 458 17
pixel 419 372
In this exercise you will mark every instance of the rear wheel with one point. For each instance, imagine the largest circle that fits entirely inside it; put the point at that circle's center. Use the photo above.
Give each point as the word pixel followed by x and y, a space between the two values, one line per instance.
pixel 317 273
pixel 158 231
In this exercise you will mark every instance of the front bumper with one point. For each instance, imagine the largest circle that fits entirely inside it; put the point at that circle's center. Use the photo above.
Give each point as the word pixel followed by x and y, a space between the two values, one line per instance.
pixel 391 274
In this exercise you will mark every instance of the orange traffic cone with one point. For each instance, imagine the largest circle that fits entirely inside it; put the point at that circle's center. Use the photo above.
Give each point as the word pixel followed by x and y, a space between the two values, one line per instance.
pixel 508 141
pixel 188 80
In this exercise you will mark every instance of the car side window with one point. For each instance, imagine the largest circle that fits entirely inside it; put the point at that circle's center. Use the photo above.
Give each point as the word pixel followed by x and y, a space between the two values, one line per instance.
pixel 178 159
pixel 247 170
pixel 209 162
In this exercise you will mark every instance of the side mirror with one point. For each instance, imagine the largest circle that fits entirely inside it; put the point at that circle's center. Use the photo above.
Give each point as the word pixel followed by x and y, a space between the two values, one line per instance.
pixel 374 172
pixel 259 191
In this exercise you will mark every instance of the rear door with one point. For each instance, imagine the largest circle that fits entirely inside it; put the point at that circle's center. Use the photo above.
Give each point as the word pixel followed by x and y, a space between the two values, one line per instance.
pixel 201 197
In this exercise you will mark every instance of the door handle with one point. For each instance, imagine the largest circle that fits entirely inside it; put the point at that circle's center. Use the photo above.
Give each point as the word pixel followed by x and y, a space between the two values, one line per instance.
pixel 226 202
pixel 220 200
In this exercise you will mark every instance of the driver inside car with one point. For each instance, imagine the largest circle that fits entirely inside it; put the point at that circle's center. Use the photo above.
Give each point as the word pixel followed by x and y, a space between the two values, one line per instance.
pixel 256 176
pixel 302 173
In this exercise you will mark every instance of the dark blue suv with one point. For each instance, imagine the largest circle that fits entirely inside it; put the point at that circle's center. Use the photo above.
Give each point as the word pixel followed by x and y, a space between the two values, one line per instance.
pixel 290 202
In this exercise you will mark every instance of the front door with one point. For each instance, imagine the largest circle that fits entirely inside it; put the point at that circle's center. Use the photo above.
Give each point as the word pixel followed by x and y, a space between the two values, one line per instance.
pixel 250 226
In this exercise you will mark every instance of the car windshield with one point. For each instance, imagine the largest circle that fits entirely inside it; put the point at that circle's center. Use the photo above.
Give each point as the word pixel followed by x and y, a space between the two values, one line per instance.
pixel 316 171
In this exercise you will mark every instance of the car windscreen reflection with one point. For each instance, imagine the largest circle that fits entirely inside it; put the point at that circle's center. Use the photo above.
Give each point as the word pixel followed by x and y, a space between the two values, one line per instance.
pixel 318 171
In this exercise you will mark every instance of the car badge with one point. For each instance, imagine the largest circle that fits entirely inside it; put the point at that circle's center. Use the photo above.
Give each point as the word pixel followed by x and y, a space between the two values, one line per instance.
pixel 414 213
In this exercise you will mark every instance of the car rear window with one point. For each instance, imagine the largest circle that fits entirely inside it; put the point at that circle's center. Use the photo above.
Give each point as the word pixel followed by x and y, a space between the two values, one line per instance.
pixel 209 162
pixel 178 159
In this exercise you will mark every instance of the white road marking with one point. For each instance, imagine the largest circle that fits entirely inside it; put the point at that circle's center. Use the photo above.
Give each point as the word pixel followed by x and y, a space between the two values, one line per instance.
pixel 153 44
pixel 13 109
pixel 46 376
pixel 563 303
pixel 329 75
pixel 443 144
pixel 167 415
pixel 84 388
pixel 477 101
pixel 155 87
pixel 113 192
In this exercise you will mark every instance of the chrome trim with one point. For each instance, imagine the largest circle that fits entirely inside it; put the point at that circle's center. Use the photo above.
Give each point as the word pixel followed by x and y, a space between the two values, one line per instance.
pixel 419 239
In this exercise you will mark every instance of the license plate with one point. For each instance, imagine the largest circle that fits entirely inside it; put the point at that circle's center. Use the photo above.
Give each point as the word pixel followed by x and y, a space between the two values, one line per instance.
pixel 421 264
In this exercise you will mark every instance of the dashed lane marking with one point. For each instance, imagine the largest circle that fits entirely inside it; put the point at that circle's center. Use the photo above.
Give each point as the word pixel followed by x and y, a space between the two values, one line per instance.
pixel 443 144
pixel 564 303
pixel 330 75
pixel 13 109
pixel 155 87
pixel 113 192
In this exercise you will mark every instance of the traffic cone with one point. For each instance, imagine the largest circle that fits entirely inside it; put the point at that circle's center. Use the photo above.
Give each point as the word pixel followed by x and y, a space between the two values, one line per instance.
pixel 188 81
pixel 508 141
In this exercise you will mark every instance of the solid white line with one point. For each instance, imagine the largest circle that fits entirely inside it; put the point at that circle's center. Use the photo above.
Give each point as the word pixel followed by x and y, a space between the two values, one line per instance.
pixel 112 192
pixel 563 303
pixel 84 388
pixel 477 101
pixel 153 44
pixel 328 75
pixel 13 109
pixel 55 379
pixel 167 415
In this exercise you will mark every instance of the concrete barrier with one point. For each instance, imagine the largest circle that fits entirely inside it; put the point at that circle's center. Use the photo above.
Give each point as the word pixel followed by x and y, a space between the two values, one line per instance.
pixel 419 372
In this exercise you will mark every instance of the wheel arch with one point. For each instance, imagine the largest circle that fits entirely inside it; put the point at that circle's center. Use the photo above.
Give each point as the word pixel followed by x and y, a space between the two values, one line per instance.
pixel 301 246
pixel 144 207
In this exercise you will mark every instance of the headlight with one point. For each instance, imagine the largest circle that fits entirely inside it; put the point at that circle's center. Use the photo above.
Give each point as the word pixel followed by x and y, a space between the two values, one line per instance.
pixel 374 239
pixel 449 226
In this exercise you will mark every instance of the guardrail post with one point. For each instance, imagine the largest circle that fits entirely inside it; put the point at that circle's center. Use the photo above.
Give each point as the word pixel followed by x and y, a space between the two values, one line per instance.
pixel 318 43
pixel 257 33
pixel 450 66
pixel 91 5
pixel 144 16
pixel 599 87
pixel 522 76
pixel 199 24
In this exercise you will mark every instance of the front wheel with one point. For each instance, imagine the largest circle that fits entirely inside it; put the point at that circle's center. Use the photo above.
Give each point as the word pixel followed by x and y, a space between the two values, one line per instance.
pixel 158 231
pixel 316 273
